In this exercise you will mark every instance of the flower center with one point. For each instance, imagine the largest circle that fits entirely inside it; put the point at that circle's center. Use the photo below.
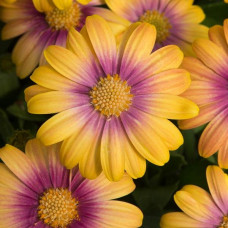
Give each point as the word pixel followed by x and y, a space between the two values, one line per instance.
pixel 159 21
pixel 57 208
pixel 111 95
pixel 224 223
pixel 64 19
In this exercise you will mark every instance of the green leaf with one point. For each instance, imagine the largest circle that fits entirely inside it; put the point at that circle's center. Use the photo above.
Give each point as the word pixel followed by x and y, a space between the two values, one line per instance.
pixel 216 13
pixel 6 129
pixel 9 80
pixel 153 200
pixel 19 110
pixel 195 173
pixel 151 221
pixel 190 145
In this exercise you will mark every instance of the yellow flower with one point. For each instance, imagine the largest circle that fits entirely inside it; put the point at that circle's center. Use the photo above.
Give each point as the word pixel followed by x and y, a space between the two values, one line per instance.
pixel 41 23
pixel 209 73
pixel 112 104
pixel 201 209
pixel 37 191
pixel 177 21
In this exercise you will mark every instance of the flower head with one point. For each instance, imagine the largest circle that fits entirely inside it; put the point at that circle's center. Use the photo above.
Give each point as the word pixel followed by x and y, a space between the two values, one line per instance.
pixel 201 209
pixel 176 21
pixel 37 191
pixel 209 89
pixel 112 104
pixel 41 23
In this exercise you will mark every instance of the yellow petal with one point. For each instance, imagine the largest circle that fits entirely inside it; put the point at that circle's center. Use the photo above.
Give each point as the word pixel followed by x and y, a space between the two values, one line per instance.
pixel 84 2
pixel 135 164
pixel 199 71
pixel 20 165
pixel 206 114
pixel 72 67
pixel 191 206
pixel 217 35
pixel 174 81
pixel 16 27
pixel 78 44
pixel 139 45
pixel 83 147
pixel 144 138
pixel 169 57
pixel 112 150
pixel 27 52
pixel 43 5
pixel 53 102
pixel 126 9
pixel 205 92
pixel 47 77
pixel 169 106
pixel 214 136
pixel 103 41
pixel 119 214
pixel 168 132
pixel 9 180
pixel 62 4
pixel 194 14
pixel 106 190
pixel 91 157
pixel 212 55
pixel 33 90
pixel 223 156
pixel 204 199
pixel 218 185
pixel 225 26
pixel 180 220
pixel 62 125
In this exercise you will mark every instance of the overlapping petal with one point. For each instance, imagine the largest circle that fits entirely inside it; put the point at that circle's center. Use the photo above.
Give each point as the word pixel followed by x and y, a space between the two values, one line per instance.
pixel 27 177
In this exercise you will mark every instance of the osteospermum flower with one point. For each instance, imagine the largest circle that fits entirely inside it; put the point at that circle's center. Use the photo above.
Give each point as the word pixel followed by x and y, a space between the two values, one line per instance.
pixel 37 191
pixel 112 105
pixel 201 209
pixel 209 91
pixel 41 23
pixel 176 21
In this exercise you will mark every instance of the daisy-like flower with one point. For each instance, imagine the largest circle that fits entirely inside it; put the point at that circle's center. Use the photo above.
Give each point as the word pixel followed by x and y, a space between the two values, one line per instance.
pixel 41 23
pixel 201 209
pixel 176 21
pixel 37 191
pixel 112 105
pixel 209 89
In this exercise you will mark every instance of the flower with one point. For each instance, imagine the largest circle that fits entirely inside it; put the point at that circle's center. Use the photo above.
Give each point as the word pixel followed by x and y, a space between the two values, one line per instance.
pixel 37 191
pixel 112 108
pixel 41 23
pixel 209 89
pixel 176 21
pixel 201 209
